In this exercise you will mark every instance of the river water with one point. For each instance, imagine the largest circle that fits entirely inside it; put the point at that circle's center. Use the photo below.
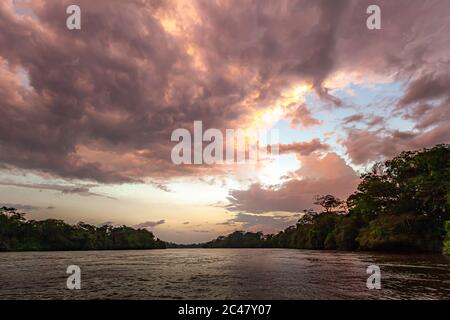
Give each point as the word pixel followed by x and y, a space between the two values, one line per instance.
pixel 222 274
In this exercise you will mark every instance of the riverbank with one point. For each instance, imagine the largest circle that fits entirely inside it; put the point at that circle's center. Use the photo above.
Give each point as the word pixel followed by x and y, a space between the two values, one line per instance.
pixel 446 249
pixel 19 234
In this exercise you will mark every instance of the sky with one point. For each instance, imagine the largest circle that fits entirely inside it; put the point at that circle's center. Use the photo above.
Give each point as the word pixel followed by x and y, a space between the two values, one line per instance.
pixel 87 115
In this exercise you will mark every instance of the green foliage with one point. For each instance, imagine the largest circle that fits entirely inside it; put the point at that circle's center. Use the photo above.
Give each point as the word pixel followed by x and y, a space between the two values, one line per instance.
pixel 401 205
pixel 328 202
pixel 404 202
pixel 414 182
pixel 446 247
pixel 19 234
pixel 402 232
pixel 346 232
pixel 237 239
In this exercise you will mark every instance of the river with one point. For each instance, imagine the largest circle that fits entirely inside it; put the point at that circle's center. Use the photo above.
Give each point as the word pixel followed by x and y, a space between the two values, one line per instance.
pixel 222 274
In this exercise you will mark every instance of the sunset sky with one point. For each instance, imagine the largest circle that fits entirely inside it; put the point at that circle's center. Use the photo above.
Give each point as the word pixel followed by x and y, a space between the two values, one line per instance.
pixel 87 115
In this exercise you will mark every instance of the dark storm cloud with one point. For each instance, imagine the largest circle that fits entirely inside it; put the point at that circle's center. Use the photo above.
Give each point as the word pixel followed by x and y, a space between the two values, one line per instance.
pixel 426 88
pixel 108 96
pixel 364 146
pixel 427 101
pixel 100 103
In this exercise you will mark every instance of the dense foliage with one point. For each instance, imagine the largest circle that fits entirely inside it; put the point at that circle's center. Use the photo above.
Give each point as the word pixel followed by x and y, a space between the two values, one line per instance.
pixel 446 248
pixel 238 239
pixel 19 234
pixel 401 205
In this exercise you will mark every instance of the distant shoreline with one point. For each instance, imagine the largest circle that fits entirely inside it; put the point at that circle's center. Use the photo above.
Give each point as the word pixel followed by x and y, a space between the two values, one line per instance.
pixel 406 253
pixel 401 206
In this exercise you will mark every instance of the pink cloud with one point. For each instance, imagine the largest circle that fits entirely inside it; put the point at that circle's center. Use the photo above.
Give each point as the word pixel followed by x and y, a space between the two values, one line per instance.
pixel 304 148
pixel 327 175
pixel 100 103
pixel 302 116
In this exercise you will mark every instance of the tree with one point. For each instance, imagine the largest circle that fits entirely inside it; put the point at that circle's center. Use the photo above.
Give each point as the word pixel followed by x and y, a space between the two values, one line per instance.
pixel 19 234
pixel 413 182
pixel 328 202
pixel 446 246
pixel 399 205
pixel 403 203
pixel 307 217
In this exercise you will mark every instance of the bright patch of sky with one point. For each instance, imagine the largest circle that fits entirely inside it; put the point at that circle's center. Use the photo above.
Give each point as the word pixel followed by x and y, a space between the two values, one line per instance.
pixel 369 100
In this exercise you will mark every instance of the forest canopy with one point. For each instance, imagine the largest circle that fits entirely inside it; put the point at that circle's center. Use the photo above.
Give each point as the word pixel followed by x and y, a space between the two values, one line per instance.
pixel 400 205
pixel 19 234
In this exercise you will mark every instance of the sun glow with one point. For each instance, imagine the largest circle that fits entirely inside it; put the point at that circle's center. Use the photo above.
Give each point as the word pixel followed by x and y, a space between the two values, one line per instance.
pixel 272 114
pixel 270 172
pixel 289 98
pixel 302 89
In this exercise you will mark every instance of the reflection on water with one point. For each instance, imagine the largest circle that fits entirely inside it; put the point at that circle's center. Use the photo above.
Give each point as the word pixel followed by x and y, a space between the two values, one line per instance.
pixel 222 274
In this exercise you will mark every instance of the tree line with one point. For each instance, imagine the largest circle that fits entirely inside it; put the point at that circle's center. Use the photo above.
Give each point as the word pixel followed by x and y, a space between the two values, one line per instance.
pixel 447 239
pixel 400 205
pixel 19 234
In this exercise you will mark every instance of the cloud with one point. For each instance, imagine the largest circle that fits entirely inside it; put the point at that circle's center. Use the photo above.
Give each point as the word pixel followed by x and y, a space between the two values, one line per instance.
pixel 353 118
pixel 364 146
pixel 302 116
pixel 427 101
pixel 327 175
pixel 99 104
pixel 201 231
pixel 21 207
pixel 82 190
pixel 304 148
pixel 373 121
pixel 426 88
pixel 369 120
pixel 265 224
pixel 149 224
pixel 162 187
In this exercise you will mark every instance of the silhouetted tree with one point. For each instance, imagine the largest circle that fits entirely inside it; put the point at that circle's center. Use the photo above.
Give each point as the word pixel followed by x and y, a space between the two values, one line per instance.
pixel 19 234
pixel 401 204
pixel 328 202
